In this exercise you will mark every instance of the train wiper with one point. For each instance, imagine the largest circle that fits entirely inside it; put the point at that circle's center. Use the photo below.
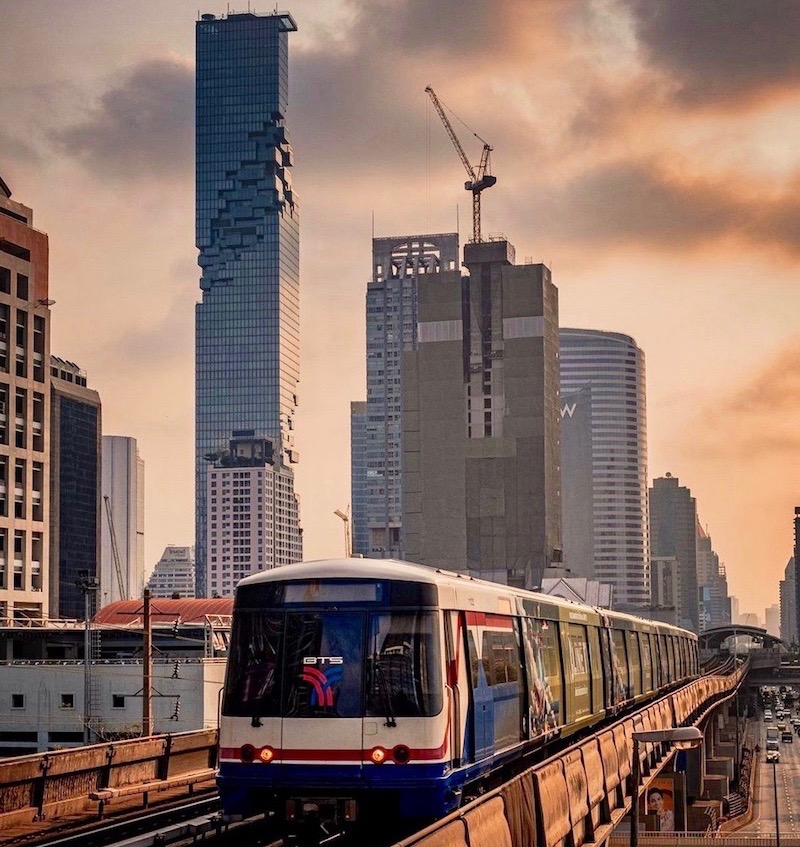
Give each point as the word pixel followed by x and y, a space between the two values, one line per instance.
pixel 383 687
pixel 256 721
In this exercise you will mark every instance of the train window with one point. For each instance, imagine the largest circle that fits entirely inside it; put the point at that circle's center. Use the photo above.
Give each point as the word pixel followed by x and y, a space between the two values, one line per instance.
pixel 647 661
pixel 501 656
pixel 404 667
pixel 634 663
pixel 252 686
pixel 323 665
pixel 545 684
pixel 620 659
pixel 580 685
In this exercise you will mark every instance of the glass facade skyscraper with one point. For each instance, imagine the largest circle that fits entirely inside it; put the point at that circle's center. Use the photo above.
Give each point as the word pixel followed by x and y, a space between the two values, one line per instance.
pixel 247 324
pixel 604 462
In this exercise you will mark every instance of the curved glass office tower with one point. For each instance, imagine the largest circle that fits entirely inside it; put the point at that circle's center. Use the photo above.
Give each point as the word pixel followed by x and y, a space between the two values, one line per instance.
pixel 247 325
pixel 604 462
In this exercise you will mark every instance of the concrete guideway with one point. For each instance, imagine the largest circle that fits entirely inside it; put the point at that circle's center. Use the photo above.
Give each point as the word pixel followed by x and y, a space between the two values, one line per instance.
pixel 579 796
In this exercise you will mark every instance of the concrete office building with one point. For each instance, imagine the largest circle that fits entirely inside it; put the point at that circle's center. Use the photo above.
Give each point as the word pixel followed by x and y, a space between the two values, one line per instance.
pixel 76 450
pixel 604 462
pixel 123 484
pixel 481 475
pixel 665 590
pixel 673 533
pixel 253 514
pixel 174 573
pixel 247 327
pixel 772 620
pixel 398 263
pixel 25 400
pixel 358 475
pixel 712 582
pixel 788 606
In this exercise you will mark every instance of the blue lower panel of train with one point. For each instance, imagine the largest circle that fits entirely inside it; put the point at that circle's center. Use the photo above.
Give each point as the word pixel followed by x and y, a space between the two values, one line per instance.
pixel 411 791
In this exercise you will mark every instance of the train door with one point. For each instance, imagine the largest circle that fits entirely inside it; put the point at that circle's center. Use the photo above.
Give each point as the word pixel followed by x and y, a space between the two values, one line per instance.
pixel 481 718
pixel 608 668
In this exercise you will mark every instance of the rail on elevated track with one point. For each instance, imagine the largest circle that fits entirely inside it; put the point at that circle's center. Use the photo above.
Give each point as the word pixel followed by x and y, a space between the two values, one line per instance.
pixel 579 796
pixel 88 781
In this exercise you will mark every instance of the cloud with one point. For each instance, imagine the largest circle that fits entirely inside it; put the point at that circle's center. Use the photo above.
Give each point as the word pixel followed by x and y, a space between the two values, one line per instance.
pixel 758 421
pixel 640 203
pixel 142 126
pixel 722 51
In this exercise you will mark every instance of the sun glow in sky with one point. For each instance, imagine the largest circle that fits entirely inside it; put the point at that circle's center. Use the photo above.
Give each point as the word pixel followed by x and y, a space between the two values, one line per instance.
pixel 648 152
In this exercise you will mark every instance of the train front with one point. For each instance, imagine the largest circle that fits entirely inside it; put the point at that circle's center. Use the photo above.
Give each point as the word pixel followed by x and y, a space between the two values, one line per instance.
pixel 334 705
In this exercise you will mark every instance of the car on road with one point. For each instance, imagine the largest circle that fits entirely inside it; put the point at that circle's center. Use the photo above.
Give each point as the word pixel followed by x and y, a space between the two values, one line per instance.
pixel 768 716
pixel 787 737
pixel 773 756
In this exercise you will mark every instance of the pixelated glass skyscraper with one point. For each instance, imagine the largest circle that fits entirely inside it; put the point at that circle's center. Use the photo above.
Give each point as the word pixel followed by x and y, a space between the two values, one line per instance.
pixel 247 324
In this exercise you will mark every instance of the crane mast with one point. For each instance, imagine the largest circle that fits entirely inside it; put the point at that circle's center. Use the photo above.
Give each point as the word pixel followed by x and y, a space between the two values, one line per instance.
pixel 114 548
pixel 478 179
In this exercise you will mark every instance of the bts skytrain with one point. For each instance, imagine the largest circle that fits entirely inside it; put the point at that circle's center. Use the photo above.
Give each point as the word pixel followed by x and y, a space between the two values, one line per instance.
pixel 381 689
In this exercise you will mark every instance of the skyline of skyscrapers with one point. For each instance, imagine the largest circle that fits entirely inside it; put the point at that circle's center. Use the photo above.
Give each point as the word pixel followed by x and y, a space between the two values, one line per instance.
pixel 247 324
pixel 604 462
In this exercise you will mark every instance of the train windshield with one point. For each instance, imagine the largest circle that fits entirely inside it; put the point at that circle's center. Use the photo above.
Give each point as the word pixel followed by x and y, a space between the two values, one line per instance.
pixel 403 665
pixel 333 664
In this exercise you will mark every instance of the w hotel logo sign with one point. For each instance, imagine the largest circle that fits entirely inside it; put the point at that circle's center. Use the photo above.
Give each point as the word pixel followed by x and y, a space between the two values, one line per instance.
pixel 568 410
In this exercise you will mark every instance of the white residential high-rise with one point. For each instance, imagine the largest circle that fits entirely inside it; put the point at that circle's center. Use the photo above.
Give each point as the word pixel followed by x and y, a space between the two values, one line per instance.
pixel 123 485
pixel 604 462
pixel 253 513
pixel 173 573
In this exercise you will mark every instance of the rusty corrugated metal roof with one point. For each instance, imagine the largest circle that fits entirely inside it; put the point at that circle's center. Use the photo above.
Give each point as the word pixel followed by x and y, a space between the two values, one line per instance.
pixel 187 610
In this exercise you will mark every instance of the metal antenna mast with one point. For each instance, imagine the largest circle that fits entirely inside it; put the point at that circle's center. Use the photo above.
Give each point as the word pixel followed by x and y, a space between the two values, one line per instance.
pixel 479 178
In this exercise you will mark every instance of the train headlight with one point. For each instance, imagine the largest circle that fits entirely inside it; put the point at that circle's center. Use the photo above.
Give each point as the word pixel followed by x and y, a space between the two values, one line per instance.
pixel 401 754
pixel 266 755
pixel 247 753
pixel 378 755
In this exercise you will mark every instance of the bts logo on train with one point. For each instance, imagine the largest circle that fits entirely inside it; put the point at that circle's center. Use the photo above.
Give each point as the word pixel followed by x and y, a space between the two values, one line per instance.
pixel 323 660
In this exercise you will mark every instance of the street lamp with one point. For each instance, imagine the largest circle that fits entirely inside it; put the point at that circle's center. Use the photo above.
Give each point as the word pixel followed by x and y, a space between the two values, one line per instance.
pixel 682 738
pixel 89 585
pixel 775 789
pixel 348 542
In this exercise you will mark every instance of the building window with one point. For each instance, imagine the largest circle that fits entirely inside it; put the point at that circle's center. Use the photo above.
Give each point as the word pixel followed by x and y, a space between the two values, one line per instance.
pixel 22 287
pixel 117 701
pixel 17 701
pixel 67 701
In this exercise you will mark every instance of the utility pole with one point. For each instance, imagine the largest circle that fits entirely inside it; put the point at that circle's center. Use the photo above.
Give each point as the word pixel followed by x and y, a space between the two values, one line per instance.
pixel 89 585
pixel 777 818
pixel 147 669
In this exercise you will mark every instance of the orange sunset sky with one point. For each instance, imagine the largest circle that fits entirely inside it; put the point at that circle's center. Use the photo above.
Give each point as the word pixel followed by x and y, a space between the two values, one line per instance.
pixel 649 152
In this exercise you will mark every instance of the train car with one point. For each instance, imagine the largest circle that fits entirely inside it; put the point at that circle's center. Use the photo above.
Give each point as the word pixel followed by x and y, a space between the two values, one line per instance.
pixel 365 688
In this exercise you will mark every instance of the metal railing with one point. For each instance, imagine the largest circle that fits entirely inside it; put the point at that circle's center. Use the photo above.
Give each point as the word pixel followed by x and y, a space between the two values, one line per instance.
pixel 695 839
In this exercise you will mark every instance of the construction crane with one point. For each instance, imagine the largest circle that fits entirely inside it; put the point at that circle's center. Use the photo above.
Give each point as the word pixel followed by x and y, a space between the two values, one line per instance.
pixel 114 548
pixel 479 178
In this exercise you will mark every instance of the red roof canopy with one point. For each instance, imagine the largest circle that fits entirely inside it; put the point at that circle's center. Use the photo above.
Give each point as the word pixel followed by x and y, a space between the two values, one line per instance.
pixel 126 612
